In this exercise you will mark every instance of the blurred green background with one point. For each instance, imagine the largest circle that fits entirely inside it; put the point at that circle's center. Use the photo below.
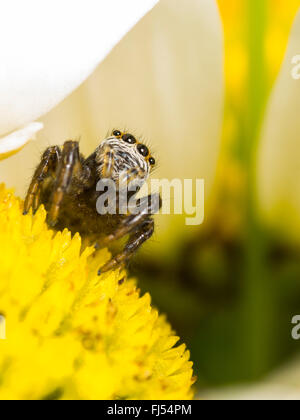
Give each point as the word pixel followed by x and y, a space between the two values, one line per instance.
pixel 231 290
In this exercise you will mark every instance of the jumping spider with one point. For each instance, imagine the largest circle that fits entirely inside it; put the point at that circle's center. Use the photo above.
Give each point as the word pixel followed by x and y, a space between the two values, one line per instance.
pixel 65 183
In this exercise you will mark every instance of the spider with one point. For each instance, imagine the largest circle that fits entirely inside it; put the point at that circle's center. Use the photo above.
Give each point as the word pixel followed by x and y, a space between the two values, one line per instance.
pixel 65 182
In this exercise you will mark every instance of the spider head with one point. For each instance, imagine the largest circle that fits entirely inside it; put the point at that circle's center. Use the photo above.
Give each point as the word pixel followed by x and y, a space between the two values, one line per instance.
pixel 121 156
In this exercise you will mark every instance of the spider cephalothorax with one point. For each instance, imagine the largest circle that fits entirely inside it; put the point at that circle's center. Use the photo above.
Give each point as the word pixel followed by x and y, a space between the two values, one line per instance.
pixel 66 183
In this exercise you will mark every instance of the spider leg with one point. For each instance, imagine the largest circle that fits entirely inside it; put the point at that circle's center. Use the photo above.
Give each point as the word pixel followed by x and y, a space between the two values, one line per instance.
pixel 47 166
pixel 126 177
pixel 136 239
pixel 152 203
pixel 69 165
pixel 108 162
pixel 108 167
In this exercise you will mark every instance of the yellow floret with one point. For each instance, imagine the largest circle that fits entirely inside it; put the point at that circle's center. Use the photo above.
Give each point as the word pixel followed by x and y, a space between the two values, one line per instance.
pixel 71 334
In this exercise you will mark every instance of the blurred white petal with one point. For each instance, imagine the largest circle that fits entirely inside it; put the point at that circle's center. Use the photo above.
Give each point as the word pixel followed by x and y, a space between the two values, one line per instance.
pixel 253 393
pixel 48 48
pixel 279 159
pixel 19 138
pixel 283 384
pixel 164 82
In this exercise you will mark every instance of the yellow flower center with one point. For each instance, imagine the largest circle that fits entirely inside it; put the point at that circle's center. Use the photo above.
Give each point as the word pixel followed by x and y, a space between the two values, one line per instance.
pixel 71 334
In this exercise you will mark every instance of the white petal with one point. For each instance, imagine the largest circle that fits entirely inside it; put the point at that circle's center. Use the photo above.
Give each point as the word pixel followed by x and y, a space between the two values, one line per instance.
pixel 283 384
pixel 49 47
pixel 259 392
pixel 19 138
pixel 279 160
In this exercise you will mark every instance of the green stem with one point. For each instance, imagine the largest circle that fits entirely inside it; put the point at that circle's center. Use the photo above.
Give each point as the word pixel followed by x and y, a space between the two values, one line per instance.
pixel 257 304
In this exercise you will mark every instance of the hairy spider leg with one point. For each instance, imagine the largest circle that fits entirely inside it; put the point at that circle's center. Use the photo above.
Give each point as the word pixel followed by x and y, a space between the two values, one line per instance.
pixel 46 167
pixel 136 239
pixel 69 164
pixel 108 162
pixel 131 221
pixel 141 227
pixel 131 174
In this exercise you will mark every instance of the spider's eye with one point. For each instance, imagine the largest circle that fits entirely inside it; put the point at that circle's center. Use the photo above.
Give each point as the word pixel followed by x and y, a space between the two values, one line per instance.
pixel 143 150
pixel 117 133
pixel 129 138
pixel 152 161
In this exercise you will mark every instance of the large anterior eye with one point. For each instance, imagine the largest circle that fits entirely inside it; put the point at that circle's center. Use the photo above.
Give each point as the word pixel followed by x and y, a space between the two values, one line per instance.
pixel 143 150
pixel 129 138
